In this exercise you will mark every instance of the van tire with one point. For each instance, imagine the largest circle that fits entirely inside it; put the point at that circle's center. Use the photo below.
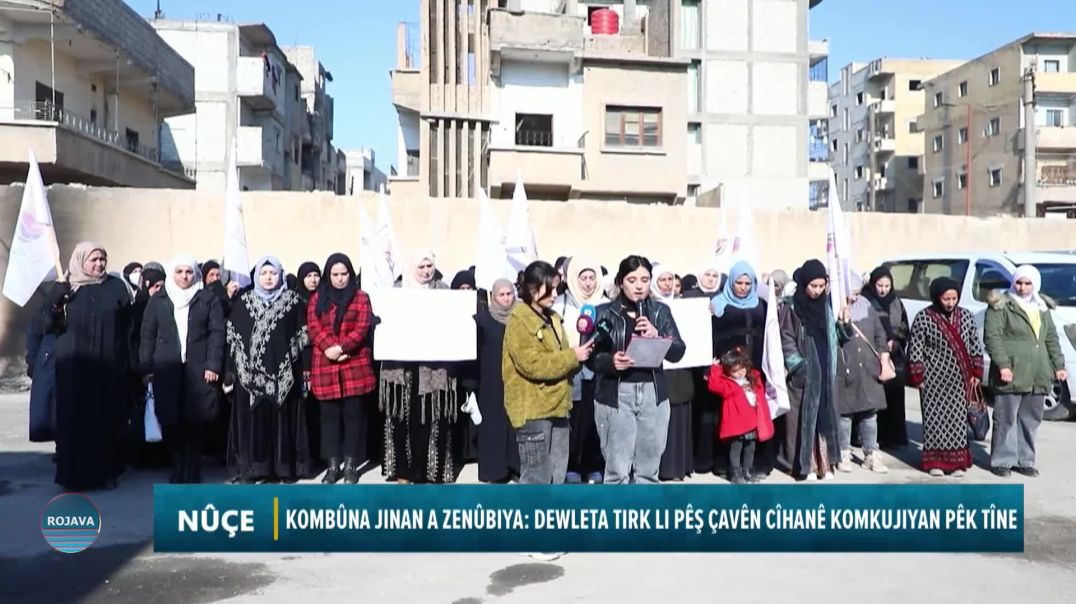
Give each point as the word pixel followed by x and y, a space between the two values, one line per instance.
pixel 1059 404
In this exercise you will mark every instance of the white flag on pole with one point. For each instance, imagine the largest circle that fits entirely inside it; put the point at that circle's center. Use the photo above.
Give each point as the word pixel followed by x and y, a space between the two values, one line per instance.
pixel 519 240
pixel 388 251
pixel 743 247
pixel 368 250
pixel 773 358
pixel 492 262
pixel 34 256
pixel 236 258
pixel 723 248
pixel 838 249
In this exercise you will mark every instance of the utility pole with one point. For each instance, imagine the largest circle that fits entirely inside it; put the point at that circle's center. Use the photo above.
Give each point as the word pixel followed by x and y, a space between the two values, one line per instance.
pixel 872 115
pixel 1030 143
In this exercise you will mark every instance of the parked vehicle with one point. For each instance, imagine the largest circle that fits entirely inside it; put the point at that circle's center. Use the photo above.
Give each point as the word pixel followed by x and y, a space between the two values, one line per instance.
pixel 982 274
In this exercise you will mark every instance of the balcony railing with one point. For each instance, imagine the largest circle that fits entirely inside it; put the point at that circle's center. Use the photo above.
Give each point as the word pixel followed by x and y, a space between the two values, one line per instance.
pixel 1057 175
pixel 534 138
pixel 47 112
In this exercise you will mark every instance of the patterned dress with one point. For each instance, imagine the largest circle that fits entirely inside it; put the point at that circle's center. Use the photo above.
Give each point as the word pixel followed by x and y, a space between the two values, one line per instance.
pixel 945 354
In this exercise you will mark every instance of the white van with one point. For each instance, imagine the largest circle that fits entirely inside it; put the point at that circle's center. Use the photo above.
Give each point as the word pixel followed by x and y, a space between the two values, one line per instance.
pixel 982 274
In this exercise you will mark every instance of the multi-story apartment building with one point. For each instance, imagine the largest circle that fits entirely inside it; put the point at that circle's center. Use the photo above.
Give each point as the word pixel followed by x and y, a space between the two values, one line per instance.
pixel 248 98
pixel 874 144
pixel 975 131
pixel 85 84
pixel 319 158
pixel 756 98
pixel 361 172
pixel 582 100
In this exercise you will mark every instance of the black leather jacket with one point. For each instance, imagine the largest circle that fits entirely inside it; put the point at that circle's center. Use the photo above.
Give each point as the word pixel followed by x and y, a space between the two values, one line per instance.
pixel 607 378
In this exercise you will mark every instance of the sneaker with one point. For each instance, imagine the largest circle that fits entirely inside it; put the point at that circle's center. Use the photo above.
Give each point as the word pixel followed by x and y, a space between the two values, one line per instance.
pixel 812 477
pixel 936 472
pixel 595 478
pixel 845 464
pixel 873 462
pixel 547 557
pixel 1002 472
pixel 959 473
pixel 1029 472
pixel 573 478
pixel 737 477
pixel 829 476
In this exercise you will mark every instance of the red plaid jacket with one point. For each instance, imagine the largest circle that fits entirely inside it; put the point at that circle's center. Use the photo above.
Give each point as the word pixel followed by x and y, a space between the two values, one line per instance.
pixel 355 376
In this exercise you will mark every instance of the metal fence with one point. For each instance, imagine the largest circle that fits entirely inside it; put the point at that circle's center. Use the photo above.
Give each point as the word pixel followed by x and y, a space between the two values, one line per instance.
pixel 47 112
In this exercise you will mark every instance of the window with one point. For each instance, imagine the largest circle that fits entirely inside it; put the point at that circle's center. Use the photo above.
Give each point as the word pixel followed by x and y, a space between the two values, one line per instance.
pixel 939 143
pixel 412 162
pixel 1051 66
pixel 859 135
pixel 993 127
pixel 962 136
pixel 1055 118
pixel 534 130
pixel 693 83
pixel 914 85
pixel 49 103
pixel 296 92
pixel 995 177
pixel 694 133
pixel 632 127
pixel 961 180
pixel 132 140
pixel 846 153
pixel 995 76
pixel 962 90
pixel 913 205
pixel 833 144
pixel 913 163
pixel 859 98
pixel 912 279
pixel 847 120
pixel 690 24
pixel 939 187
pixel 913 127
pixel 938 99
pixel 693 190
pixel 859 172
pixel 833 110
pixel 987 279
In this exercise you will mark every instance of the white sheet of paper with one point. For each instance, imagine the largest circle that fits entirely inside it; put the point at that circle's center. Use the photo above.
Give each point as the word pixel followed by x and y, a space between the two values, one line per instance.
pixel 692 318
pixel 648 352
pixel 424 324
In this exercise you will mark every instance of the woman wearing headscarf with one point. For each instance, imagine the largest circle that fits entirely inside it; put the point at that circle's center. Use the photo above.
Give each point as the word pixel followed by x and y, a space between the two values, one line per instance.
pixel 709 281
pixel 580 302
pixel 143 454
pixel 809 332
pixel 266 335
pixel 632 403
pixel 1025 360
pixel 340 321
pixel 307 279
pixel 467 372
pixel 739 321
pixel 498 452
pixel 132 277
pixel 945 361
pixel 421 405
pixel 879 291
pixel 862 364
pixel 90 315
pixel 182 356
pixel 676 460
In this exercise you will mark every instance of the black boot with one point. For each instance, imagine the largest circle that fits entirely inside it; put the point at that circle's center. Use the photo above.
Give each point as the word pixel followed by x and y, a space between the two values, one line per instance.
pixel 351 470
pixel 332 474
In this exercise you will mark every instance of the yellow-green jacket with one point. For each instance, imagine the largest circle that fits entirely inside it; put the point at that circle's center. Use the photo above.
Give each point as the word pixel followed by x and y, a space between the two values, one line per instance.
pixel 537 367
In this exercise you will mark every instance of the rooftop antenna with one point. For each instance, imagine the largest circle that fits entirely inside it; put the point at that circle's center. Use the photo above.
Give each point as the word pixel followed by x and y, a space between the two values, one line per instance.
pixel 158 14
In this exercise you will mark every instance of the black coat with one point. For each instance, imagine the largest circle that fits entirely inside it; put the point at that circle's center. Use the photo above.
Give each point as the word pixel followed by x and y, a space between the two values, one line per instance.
pixel 498 453
pixel 179 389
pixel 741 327
pixel 39 366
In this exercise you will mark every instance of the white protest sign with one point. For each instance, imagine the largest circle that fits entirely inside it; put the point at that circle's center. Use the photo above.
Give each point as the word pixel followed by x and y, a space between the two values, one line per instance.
pixel 410 331
pixel 692 316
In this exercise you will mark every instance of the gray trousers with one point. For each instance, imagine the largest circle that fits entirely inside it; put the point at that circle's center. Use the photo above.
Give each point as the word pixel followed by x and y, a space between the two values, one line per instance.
pixel 543 451
pixel 868 431
pixel 1016 425
pixel 633 434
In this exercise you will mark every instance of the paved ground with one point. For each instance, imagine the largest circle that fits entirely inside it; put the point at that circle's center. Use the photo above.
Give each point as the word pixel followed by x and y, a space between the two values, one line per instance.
pixel 122 567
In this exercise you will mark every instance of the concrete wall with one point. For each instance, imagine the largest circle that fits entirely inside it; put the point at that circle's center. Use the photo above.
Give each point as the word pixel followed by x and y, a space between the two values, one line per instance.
pixel 540 88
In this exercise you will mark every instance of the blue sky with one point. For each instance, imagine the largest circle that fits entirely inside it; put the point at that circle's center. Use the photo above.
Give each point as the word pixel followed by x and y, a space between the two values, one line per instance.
pixel 356 41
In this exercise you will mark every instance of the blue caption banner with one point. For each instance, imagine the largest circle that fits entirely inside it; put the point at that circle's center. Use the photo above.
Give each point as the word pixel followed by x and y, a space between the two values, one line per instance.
pixel 587 518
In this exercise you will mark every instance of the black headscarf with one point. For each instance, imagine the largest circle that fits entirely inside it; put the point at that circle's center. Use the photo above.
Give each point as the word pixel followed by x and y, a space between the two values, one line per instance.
pixel 300 277
pixel 150 277
pixel 881 304
pixel 207 266
pixel 688 283
pixel 811 311
pixel 330 296
pixel 463 278
pixel 938 287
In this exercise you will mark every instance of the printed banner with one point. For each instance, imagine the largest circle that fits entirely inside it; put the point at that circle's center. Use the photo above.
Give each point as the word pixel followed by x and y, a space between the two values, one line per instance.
pixel 424 324
pixel 571 518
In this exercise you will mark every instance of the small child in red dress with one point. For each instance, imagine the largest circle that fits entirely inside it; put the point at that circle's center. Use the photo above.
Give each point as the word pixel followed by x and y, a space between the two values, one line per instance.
pixel 745 415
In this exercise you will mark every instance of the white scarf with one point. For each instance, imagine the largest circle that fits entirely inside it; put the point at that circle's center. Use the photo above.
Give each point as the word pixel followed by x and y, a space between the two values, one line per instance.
pixel 182 298
pixel 655 291
pixel 1033 301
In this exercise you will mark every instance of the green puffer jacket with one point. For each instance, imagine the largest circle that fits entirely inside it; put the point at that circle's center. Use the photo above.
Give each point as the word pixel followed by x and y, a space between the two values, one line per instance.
pixel 1012 344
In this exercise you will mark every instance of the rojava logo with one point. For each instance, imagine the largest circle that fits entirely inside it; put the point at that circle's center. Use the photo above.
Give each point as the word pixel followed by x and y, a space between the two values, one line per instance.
pixel 70 523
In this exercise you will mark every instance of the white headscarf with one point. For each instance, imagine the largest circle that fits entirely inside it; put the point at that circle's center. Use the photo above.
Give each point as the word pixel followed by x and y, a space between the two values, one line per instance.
pixel 713 264
pixel 182 298
pixel 576 266
pixel 1034 300
pixel 410 278
pixel 655 291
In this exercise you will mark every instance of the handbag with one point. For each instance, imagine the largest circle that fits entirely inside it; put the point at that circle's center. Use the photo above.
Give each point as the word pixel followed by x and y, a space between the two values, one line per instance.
pixel 889 371
pixel 153 427
pixel 978 414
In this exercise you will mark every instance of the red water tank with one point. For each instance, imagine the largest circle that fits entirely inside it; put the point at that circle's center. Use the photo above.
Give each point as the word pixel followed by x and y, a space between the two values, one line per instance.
pixel 604 22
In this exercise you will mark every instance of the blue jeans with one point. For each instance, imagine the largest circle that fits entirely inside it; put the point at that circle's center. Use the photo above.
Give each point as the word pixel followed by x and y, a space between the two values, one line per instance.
pixel 543 451
pixel 868 431
pixel 633 434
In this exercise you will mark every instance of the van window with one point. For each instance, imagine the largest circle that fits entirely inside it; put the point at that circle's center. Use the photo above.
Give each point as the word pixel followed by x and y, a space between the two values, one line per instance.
pixel 988 278
pixel 1059 282
pixel 912 278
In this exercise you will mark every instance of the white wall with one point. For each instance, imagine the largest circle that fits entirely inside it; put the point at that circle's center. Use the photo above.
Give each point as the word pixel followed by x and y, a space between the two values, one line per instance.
pixel 542 88
pixel 726 25
pixel 1042 105
pixel 775 88
pixel 775 151
pixel 774 25
pixel 726 150
pixel 7 67
pixel 726 87
pixel 209 52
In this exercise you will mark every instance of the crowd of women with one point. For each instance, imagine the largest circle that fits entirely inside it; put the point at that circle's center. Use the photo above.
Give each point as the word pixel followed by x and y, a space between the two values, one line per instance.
pixel 276 378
